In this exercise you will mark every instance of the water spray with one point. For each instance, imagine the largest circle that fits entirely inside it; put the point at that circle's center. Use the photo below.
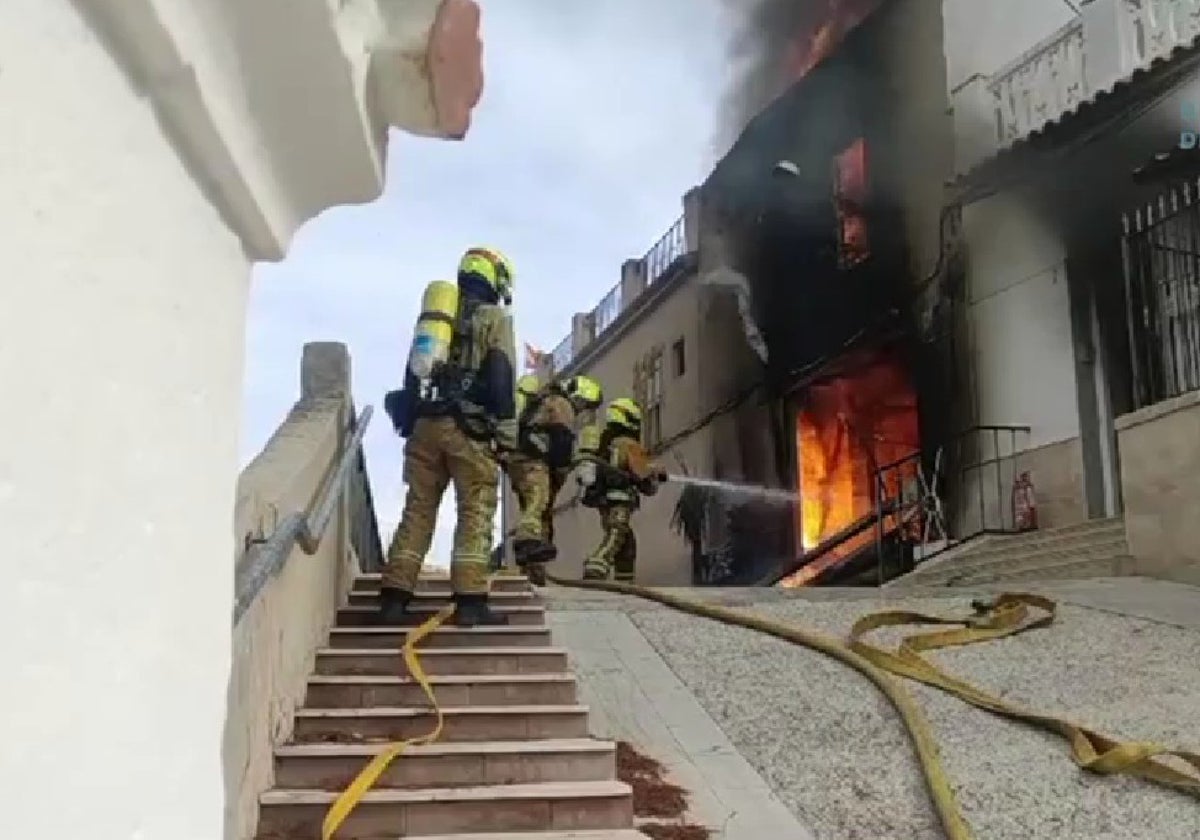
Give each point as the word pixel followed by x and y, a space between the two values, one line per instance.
pixel 767 494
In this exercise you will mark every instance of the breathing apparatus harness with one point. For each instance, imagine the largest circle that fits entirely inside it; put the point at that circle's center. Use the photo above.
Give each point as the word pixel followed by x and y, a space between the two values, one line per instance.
pixel 603 481
pixel 447 389
pixel 550 443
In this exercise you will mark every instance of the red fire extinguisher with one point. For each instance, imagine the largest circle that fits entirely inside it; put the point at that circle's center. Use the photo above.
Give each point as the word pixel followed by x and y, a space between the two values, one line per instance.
pixel 1024 503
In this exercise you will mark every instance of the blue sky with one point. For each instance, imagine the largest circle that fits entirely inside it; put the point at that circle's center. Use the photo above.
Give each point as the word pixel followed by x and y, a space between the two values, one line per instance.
pixel 595 119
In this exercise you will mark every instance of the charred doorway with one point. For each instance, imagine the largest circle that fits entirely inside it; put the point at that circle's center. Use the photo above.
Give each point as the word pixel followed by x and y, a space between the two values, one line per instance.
pixel 811 213
pixel 850 428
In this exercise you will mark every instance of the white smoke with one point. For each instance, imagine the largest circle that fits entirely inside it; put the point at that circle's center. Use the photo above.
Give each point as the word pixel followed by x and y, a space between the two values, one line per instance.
pixel 735 281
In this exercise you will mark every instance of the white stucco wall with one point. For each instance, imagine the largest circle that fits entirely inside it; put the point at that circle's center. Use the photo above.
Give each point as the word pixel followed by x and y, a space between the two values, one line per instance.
pixel 122 305
pixel 1020 320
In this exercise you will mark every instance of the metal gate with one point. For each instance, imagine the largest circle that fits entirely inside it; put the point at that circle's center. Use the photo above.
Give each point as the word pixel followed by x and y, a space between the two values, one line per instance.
pixel 1161 247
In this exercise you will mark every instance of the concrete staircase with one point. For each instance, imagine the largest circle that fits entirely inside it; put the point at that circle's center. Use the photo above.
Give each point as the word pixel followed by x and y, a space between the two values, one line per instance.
pixel 1095 548
pixel 514 759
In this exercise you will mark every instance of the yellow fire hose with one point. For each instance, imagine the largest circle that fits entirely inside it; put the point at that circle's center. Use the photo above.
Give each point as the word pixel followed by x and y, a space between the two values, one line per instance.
pixel 1008 615
pixel 369 775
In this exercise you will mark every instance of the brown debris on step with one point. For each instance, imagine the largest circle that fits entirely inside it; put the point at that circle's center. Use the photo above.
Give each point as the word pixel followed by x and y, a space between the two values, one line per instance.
pixel 675 831
pixel 652 795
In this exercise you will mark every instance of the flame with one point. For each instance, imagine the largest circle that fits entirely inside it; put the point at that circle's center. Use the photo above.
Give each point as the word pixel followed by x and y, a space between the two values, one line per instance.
pixel 848 427
pixel 813 44
pixel 851 197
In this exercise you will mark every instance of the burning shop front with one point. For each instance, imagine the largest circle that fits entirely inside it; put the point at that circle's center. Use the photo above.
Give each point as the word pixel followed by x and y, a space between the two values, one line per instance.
pixel 809 207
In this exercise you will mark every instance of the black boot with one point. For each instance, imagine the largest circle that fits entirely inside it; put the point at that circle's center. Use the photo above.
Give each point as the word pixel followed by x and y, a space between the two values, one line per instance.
pixel 393 606
pixel 473 611
pixel 534 551
pixel 536 572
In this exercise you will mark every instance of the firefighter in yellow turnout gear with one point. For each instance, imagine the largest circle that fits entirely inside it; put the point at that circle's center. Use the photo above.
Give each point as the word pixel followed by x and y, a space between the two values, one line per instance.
pixel 544 459
pixel 615 475
pixel 458 414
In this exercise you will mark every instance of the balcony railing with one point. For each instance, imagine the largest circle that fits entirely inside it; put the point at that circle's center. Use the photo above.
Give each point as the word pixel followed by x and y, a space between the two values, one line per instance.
pixel 608 310
pixel 657 262
pixel 1155 27
pixel 562 355
pixel 1106 42
pixel 665 252
pixel 1041 85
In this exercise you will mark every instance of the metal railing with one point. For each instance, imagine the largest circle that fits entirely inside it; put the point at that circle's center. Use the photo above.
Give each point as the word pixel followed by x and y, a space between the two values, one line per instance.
pixel 265 559
pixel 984 460
pixel 608 309
pixel 1161 249
pixel 905 508
pixel 662 257
pixel 670 247
pixel 562 355
pixel 364 525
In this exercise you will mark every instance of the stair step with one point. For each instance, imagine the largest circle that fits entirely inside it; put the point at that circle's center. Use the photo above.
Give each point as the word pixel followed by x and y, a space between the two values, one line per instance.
pixel 446 765
pixel 443 637
pixel 297 814
pixel 969 567
pixel 369 582
pixel 444 661
pixel 1082 568
pixel 471 723
pixel 1001 548
pixel 365 691
pixel 440 598
pixel 357 615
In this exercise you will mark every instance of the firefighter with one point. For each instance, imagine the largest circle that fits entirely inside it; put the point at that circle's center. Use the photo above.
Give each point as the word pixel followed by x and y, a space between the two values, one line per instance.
pixel 540 466
pixel 457 411
pixel 621 474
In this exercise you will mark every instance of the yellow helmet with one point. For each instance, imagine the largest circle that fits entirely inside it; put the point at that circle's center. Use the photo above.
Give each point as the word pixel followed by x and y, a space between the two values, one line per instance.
pixel 491 267
pixel 584 391
pixel 528 385
pixel 625 413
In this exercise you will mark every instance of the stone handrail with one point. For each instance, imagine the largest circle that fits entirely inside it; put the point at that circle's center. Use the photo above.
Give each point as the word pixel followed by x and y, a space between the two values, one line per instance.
pixel 279 630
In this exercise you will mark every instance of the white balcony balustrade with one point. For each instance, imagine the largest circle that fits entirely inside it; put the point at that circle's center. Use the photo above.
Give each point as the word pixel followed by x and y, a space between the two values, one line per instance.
pixel 1106 42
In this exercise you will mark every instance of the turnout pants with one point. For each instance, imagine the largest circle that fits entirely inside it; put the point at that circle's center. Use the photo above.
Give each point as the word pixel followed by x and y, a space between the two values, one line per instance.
pixel 531 482
pixel 616 556
pixel 436 454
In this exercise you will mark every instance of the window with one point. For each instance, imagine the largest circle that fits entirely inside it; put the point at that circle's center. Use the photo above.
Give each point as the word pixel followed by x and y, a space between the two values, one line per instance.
pixel 648 391
pixel 850 198
pixel 678 358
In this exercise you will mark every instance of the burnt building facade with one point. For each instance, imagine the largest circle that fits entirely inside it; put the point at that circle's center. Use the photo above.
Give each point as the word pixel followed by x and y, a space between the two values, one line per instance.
pixel 801 284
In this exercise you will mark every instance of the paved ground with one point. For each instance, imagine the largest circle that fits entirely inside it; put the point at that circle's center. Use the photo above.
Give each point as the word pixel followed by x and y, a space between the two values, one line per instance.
pixel 820 740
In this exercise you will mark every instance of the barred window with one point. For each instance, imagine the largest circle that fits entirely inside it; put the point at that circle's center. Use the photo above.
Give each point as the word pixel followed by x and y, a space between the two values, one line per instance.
pixel 648 391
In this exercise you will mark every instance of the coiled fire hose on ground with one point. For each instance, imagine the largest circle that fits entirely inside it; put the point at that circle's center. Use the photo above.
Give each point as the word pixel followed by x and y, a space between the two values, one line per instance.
pixel 1007 615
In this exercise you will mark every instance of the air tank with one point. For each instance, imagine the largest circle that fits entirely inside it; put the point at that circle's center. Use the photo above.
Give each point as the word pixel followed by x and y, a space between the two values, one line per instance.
pixel 434 331
pixel 587 444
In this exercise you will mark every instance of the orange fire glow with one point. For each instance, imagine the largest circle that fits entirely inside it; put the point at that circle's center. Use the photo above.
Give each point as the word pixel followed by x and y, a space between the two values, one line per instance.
pixel 814 44
pixel 850 171
pixel 847 428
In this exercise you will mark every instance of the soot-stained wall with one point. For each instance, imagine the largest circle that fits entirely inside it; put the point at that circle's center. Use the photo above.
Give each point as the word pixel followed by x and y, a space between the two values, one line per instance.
pixel 783 229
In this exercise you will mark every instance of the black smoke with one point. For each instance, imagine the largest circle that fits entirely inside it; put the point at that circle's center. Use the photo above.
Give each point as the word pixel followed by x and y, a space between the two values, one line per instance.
pixel 764 31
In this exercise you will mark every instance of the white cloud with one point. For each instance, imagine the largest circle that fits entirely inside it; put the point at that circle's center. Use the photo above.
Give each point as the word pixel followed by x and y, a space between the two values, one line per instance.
pixel 596 118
